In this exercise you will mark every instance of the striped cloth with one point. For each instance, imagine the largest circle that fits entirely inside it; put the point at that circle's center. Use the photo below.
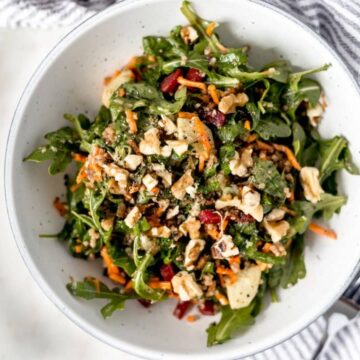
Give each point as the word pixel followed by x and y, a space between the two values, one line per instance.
pixel 337 21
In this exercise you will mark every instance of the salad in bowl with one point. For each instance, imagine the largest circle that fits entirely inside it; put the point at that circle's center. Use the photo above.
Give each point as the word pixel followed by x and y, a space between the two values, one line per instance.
pixel 198 179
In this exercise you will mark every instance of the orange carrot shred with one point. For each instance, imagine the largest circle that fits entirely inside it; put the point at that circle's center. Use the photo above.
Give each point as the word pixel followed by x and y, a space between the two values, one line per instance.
pixel 213 93
pixel 290 155
pixel 117 278
pixel 79 157
pixel 247 125
pixel 186 115
pixel 121 92
pixel 203 135
pixel 320 230
pixel 131 120
pixel 251 138
pixel 163 285
pixel 191 318
pixel 210 28
pixel 60 206
pixel 264 146
pixel 221 298
pixel 78 249
pixel 194 84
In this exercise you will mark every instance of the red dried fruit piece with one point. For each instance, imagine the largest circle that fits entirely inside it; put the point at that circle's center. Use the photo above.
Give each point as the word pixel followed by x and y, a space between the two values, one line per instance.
pixel 167 272
pixel 144 303
pixel 194 75
pixel 243 218
pixel 181 308
pixel 209 217
pixel 207 308
pixel 169 84
pixel 213 116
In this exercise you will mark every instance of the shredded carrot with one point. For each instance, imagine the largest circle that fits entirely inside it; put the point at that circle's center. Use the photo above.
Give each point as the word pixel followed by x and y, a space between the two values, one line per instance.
pixel 74 187
pixel 267 248
pixel 128 286
pixel 112 269
pixel 117 278
pixel 194 84
pixel 79 157
pixel 81 175
pixel 264 146
pixel 320 230
pixel 163 285
pixel 234 260
pixel 221 298
pixel 132 63
pixel 204 98
pixel 113 76
pixel 151 58
pixel 172 295
pixel 155 190
pixel 210 28
pixel 121 92
pixel 78 249
pixel 212 232
pixel 251 138
pixel 191 318
pixel 228 272
pixel 201 162
pixel 131 118
pixel 290 155
pixel 247 125
pixel 186 115
pixel 60 206
pixel 200 127
pixel 213 93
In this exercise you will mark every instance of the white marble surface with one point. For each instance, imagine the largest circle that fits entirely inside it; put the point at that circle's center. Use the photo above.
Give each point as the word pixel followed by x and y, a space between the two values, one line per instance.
pixel 31 327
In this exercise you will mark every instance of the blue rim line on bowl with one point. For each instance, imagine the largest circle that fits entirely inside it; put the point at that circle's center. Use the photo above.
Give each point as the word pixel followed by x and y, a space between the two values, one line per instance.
pixel 81 322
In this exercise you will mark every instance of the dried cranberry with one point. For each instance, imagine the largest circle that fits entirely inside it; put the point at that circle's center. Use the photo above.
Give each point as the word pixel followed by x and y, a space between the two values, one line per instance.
pixel 167 272
pixel 144 303
pixel 181 308
pixel 213 116
pixel 194 75
pixel 209 217
pixel 207 308
pixel 169 84
pixel 243 218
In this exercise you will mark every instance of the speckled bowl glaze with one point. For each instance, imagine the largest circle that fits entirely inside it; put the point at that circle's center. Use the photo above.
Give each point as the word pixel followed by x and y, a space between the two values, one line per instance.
pixel 70 80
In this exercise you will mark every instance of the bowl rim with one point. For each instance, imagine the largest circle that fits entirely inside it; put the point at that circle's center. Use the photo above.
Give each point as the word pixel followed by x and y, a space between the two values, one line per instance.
pixel 82 323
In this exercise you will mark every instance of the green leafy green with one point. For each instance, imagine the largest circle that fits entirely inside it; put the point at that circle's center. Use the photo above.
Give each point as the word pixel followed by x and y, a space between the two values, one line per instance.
pixel 272 127
pixel 94 289
pixel 230 322
pixel 140 286
pixel 294 269
pixel 266 177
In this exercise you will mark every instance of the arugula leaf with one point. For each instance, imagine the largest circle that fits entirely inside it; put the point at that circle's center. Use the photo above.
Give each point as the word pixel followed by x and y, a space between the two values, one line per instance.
pixel 95 201
pixel 84 218
pixel 299 139
pixel 294 269
pixel 272 127
pixel 254 113
pixel 335 155
pixel 295 78
pixel 226 152
pixel 121 259
pixel 252 253
pixel 200 25
pixel 140 286
pixel 230 131
pixel 266 177
pixel 81 123
pixel 146 96
pixel 328 204
pixel 94 289
pixel 60 145
pixel 282 70
pixel 231 321
pixel 306 90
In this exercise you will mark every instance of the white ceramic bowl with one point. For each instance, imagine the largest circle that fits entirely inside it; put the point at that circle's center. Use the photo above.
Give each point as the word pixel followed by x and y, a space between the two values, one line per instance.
pixel 70 80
